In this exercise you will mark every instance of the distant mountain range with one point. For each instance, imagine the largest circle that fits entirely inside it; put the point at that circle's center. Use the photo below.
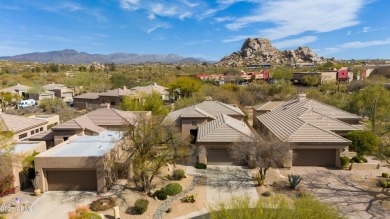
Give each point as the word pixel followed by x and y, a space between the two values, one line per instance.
pixel 69 56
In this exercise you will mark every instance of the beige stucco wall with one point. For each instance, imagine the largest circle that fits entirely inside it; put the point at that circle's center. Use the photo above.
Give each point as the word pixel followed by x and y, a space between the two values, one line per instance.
pixel 186 124
pixel 44 163
pixel 28 132
pixel 328 77
pixel 13 164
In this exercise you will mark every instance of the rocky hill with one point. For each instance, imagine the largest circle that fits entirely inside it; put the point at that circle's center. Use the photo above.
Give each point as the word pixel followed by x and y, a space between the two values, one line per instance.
pixel 258 51
pixel 68 56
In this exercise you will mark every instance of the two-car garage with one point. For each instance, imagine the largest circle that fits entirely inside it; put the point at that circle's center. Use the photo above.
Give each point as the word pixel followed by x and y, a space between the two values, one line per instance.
pixel 71 180
pixel 315 157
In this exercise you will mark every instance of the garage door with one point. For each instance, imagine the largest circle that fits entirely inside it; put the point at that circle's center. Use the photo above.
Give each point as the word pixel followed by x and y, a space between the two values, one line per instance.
pixel 218 157
pixel 315 157
pixel 71 180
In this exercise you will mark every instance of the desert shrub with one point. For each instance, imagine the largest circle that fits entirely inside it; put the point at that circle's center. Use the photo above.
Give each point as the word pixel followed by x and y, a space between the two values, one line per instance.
pixel 178 174
pixel 3 217
pixel 82 212
pixel 102 204
pixel 359 159
pixel 200 165
pixel 173 189
pixel 276 206
pixel 141 205
pixel 259 180
pixel 7 185
pixel 344 162
pixel 161 194
pixel 385 175
pixel 252 164
pixel 294 180
pixel 188 199
pixel 266 194
pixel 384 183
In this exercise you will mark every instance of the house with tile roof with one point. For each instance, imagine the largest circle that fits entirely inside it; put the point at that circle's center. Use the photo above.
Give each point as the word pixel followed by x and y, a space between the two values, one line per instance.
pixel 215 137
pixel 18 89
pixel 23 127
pixel 214 127
pixel 60 91
pixel 188 119
pixel 315 130
pixel 92 123
pixel 163 91
pixel 94 101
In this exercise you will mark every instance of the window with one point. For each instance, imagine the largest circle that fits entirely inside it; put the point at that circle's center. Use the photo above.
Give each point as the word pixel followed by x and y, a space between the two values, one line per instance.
pixel 32 132
pixel 36 130
pixel 194 122
pixel 24 135
pixel 41 129
pixel 65 138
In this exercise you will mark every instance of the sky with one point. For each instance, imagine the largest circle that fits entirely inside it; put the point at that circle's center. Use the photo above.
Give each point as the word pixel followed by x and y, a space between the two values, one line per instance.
pixel 347 29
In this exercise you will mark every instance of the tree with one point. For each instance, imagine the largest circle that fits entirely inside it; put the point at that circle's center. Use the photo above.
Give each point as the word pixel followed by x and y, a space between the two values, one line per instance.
pixel 58 106
pixel 150 146
pixel 311 80
pixel 8 99
pixel 185 85
pixel 262 152
pixel 282 74
pixel 152 102
pixel 363 142
pixel 54 68
pixel 82 68
pixel 373 102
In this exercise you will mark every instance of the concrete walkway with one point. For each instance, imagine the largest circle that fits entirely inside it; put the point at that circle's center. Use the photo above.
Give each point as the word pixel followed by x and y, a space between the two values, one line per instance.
pixel 337 187
pixel 225 182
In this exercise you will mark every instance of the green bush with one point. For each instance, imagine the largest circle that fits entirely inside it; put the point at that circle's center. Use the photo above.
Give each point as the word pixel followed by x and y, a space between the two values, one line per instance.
pixel 173 189
pixel 294 180
pixel 141 205
pixel 385 175
pixel 200 165
pixel 161 194
pixel 344 162
pixel 384 183
pixel 178 174
pixel 102 204
pixel 358 159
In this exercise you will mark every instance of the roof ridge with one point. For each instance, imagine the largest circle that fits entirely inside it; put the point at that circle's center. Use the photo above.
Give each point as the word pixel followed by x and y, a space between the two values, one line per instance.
pixel 227 122
pixel 329 132
pixel 230 107
pixel 1 116
pixel 77 122
pixel 115 110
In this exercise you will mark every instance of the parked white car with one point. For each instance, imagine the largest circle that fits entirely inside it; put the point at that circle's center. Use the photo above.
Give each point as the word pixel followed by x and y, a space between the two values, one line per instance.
pixel 26 103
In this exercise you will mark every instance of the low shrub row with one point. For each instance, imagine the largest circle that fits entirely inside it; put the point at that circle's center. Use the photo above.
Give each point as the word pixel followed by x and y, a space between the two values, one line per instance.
pixel 178 174
pixel 385 183
pixel 171 189
pixel 200 165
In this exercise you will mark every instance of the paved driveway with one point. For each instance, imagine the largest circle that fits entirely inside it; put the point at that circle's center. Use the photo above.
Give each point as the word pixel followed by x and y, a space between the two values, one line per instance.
pixel 338 187
pixel 224 182
pixel 58 204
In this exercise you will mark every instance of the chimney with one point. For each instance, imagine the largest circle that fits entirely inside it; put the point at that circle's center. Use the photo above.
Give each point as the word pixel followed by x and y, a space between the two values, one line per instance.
pixel 155 84
pixel 124 88
pixel 209 98
pixel 301 96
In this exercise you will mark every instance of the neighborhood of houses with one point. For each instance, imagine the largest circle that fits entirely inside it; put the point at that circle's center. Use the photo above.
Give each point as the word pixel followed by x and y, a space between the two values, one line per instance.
pixel 73 154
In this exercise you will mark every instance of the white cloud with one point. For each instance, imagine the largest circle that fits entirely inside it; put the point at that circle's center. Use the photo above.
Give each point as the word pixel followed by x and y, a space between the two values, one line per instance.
pixel 129 4
pixel 151 16
pixel 190 4
pixel 349 33
pixel 299 16
pixel 223 19
pixel 357 45
pixel 184 15
pixel 158 26
pixel 295 42
pixel 197 42
pixel 366 29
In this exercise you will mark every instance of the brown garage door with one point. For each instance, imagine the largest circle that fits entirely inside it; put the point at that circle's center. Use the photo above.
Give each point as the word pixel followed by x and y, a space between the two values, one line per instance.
pixel 218 156
pixel 315 157
pixel 71 180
